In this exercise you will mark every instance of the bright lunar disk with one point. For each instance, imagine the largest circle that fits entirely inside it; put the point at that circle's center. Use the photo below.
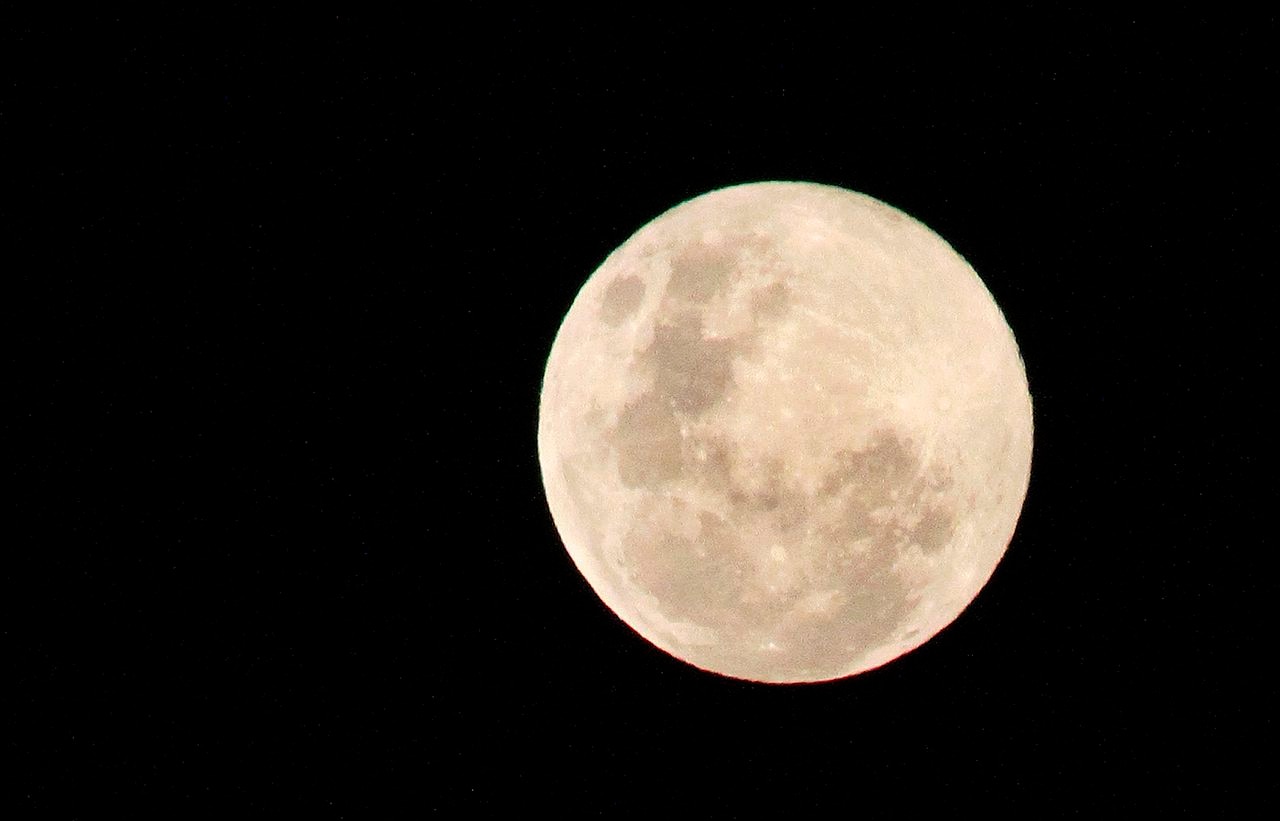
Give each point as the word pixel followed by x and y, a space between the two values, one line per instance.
pixel 785 432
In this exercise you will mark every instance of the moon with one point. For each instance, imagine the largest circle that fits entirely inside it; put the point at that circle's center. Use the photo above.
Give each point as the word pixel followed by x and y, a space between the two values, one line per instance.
pixel 785 432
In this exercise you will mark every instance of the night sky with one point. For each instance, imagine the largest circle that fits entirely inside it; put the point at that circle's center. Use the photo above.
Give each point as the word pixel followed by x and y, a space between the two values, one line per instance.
pixel 280 294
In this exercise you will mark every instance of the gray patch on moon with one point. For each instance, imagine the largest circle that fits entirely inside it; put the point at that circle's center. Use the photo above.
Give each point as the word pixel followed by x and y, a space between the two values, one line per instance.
pixel 694 579
pixel 621 299
pixel 881 466
pixel 887 475
pixel 700 271
pixel 648 442
pixel 771 301
pixel 849 599
pixel 691 371
pixel 934 531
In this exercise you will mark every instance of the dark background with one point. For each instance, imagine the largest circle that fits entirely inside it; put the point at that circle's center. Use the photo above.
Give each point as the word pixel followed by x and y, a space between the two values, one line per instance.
pixel 281 292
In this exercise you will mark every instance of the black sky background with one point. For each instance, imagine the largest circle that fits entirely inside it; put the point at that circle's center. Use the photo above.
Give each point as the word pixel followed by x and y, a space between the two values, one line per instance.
pixel 281 293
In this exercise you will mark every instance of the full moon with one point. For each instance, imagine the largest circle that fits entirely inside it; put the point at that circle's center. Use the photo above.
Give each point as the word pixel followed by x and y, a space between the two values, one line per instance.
pixel 785 432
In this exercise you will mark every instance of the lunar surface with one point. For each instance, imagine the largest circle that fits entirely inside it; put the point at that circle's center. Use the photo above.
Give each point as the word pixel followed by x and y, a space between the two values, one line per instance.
pixel 785 432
